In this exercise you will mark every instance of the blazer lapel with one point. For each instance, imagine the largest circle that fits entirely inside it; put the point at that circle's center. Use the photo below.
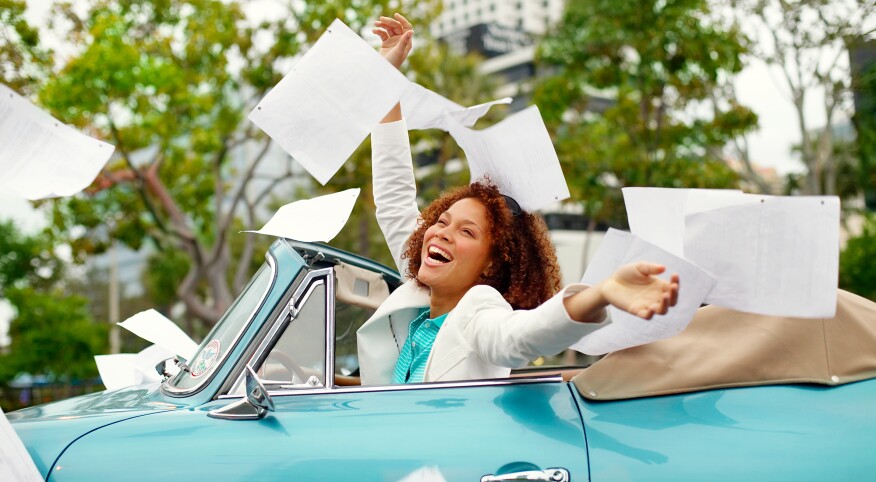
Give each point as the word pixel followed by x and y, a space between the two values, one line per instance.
pixel 380 337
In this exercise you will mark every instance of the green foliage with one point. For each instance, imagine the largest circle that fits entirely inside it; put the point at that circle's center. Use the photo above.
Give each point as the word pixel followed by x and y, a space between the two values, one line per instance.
pixel 663 66
pixel 26 260
pixel 857 270
pixel 22 59
pixel 52 334
pixel 170 83
pixel 164 273
pixel 865 127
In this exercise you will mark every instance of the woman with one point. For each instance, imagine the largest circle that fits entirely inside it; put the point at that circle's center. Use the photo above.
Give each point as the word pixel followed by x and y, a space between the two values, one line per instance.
pixel 479 298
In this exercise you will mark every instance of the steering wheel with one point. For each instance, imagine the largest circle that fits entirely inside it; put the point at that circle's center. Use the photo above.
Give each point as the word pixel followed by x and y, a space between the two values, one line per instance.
pixel 289 363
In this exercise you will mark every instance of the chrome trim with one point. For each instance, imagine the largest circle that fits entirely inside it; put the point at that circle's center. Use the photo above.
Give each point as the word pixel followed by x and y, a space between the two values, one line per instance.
pixel 173 391
pixel 301 294
pixel 330 329
pixel 499 382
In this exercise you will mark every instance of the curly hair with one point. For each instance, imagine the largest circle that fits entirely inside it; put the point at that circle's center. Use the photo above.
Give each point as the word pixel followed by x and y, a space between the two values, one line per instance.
pixel 524 268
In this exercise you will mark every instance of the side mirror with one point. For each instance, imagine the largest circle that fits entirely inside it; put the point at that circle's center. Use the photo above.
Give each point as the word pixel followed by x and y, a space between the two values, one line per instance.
pixel 256 405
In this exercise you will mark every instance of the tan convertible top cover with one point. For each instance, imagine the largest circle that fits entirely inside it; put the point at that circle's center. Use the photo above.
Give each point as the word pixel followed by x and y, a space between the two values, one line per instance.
pixel 723 348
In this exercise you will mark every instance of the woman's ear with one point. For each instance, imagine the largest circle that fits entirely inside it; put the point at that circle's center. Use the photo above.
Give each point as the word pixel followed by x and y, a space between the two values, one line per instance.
pixel 485 274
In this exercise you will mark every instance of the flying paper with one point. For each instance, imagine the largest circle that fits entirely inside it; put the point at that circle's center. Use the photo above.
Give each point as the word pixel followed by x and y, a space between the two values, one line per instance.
pixel 155 327
pixel 517 155
pixel 122 370
pixel 329 102
pixel 657 214
pixel 425 109
pixel 317 219
pixel 41 157
pixel 626 330
pixel 771 255
pixel 777 256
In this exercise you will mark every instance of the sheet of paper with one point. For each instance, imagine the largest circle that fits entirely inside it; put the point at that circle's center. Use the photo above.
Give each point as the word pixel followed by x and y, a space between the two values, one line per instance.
pixel 657 214
pixel 15 461
pixel 155 327
pixel 517 155
pixel 778 256
pixel 328 103
pixel 425 109
pixel 117 370
pixel 122 370
pixel 626 330
pixel 41 157
pixel 317 219
pixel 150 356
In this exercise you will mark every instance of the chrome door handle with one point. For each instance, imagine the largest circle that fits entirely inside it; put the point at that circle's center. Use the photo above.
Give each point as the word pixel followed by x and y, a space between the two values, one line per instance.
pixel 547 475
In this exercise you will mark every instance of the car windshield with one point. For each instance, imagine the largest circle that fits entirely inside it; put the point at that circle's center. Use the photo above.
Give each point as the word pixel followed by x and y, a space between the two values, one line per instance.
pixel 222 338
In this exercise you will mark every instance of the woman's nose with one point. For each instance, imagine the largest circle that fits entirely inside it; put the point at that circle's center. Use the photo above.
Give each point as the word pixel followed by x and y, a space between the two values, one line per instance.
pixel 443 233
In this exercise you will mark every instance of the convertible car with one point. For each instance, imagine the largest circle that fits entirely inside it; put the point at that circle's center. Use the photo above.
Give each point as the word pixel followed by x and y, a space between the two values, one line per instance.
pixel 272 394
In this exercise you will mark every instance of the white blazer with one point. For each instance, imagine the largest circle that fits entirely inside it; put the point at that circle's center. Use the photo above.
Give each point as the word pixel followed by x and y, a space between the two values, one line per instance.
pixel 482 337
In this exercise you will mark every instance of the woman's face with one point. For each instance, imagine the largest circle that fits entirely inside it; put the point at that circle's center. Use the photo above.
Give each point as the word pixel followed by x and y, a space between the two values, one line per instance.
pixel 456 249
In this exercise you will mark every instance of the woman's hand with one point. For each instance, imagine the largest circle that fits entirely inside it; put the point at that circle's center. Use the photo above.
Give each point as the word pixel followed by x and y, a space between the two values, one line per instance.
pixel 396 34
pixel 635 288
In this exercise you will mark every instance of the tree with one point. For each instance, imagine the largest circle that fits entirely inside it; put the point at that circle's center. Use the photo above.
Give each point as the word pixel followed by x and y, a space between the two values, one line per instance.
pixel 663 66
pixel 22 58
pixel 52 332
pixel 170 83
pixel 26 261
pixel 864 85
pixel 857 271
pixel 806 42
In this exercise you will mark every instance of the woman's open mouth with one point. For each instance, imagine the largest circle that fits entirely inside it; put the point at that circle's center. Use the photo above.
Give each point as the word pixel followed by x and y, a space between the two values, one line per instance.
pixel 438 256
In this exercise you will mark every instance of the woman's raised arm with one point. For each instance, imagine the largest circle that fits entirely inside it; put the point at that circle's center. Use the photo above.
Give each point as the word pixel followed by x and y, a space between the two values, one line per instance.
pixel 395 190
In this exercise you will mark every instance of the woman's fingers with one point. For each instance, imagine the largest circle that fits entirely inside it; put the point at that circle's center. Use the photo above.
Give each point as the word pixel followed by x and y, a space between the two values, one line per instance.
pixel 649 269
pixel 403 21
pixel 381 33
pixel 673 290
pixel 393 25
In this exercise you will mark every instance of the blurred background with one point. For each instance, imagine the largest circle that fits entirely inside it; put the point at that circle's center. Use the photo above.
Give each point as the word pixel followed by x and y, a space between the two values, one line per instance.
pixel 770 96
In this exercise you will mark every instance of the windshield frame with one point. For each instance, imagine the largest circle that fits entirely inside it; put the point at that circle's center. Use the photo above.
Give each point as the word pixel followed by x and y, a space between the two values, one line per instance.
pixel 172 390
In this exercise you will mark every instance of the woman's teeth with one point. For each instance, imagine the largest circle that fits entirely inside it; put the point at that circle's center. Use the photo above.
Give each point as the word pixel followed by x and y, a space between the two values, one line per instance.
pixel 439 255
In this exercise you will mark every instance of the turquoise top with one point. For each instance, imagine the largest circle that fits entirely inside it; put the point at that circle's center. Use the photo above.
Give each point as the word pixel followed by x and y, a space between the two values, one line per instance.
pixel 411 364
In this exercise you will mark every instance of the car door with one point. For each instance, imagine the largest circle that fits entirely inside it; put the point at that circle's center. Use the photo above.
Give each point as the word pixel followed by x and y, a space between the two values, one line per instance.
pixel 464 430
pixel 319 430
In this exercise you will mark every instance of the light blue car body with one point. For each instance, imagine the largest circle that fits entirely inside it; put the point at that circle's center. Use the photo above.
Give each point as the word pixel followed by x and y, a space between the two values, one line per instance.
pixel 463 431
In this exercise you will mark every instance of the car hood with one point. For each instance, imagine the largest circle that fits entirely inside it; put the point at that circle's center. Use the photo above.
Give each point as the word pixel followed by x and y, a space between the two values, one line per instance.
pixel 47 430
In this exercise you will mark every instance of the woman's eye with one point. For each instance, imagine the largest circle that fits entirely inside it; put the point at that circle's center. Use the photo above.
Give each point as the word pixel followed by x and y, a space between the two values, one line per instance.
pixel 441 222
pixel 468 232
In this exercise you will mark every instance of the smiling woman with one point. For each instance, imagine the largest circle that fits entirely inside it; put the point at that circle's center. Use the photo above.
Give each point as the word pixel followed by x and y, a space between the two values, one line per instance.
pixel 515 254
pixel 481 296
